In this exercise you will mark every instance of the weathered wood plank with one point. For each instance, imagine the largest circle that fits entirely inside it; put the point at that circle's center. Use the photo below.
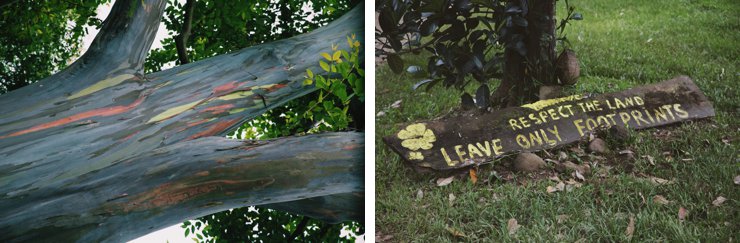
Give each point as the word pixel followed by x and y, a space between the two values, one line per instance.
pixel 477 139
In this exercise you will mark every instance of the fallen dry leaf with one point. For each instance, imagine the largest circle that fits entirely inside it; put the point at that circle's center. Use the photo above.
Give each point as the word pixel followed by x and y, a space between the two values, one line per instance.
pixel 445 181
pixel 562 156
pixel 512 226
pixel 380 113
pixel 419 194
pixel 473 176
pixel 630 227
pixel 579 176
pixel 660 200
pixel 650 159
pixel 561 218
pixel 682 213
pixel 396 104
pixel 380 237
pixel 626 151
pixel 559 187
pixel 718 202
pixel 455 232
pixel 573 182
pixel 656 180
pixel 452 198
pixel 547 153
pixel 660 181
pixel 737 180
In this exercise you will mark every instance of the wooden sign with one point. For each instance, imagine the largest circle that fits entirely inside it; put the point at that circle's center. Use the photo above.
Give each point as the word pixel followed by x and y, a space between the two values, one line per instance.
pixel 462 141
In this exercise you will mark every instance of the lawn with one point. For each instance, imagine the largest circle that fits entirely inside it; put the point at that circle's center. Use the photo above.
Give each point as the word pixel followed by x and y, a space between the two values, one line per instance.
pixel 620 44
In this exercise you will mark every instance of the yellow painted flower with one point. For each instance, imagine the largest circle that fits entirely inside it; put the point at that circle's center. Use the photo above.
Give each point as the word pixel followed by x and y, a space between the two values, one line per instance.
pixel 417 136
pixel 416 156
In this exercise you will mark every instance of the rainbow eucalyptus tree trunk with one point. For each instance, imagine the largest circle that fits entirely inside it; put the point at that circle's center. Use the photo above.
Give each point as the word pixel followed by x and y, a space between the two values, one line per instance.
pixel 102 152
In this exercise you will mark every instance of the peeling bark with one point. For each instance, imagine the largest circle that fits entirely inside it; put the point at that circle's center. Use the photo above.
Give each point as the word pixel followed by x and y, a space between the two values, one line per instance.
pixel 102 152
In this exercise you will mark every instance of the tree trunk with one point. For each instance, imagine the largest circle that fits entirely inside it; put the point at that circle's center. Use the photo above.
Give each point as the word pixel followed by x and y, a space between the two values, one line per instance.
pixel 523 74
pixel 102 152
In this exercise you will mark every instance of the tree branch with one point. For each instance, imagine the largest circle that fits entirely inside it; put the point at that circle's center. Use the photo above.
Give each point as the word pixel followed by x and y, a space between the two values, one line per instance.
pixel 181 41
pixel 190 179
pixel 126 35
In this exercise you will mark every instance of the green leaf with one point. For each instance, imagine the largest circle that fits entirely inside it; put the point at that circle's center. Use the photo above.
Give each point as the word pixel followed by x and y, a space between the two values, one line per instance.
pixel 326 55
pixel 310 73
pixel 340 90
pixel 345 54
pixel 336 55
pixel 321 82
pixel 328 105
pixel 324 65
pixel 395 62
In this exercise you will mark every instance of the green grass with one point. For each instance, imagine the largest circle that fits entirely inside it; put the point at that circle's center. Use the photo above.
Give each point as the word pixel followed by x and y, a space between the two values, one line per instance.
pixel 620 44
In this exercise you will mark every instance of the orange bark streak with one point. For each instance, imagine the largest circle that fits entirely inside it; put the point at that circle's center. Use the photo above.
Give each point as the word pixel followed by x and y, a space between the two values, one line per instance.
pixel 215 128
pixel 129 136
pixel 276 87
pixel 107 111
pixel 219 108
pixel 350 147
pixel 203 173
pixel 225 88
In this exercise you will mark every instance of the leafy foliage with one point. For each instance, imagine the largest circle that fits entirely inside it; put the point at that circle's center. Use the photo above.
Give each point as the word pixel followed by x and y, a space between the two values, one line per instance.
pixel 37 38
pixel 220 27
pixel 466 38
pixel 252 224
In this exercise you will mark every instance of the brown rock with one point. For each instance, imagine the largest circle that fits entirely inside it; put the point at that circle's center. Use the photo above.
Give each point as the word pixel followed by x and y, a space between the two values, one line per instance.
pixel 598 145
pixel 550 92
pixel 528 162
pixel 570 166
pixel 567 67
